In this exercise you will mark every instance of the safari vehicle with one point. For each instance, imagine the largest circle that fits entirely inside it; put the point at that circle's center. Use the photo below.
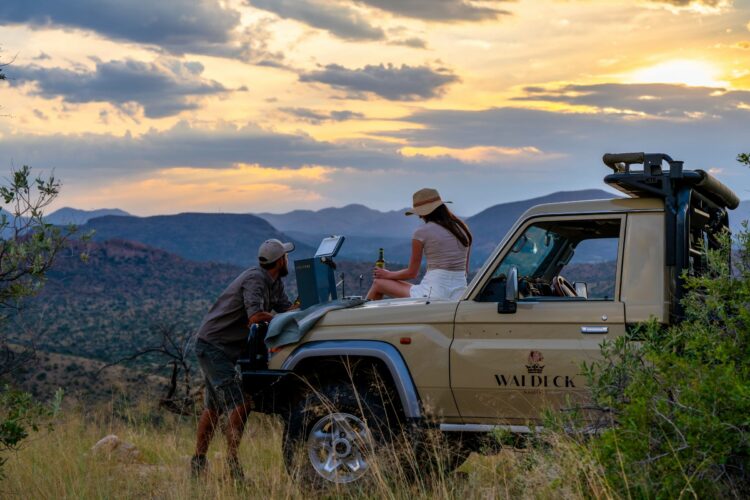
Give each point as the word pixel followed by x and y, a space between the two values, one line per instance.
pixel 566 277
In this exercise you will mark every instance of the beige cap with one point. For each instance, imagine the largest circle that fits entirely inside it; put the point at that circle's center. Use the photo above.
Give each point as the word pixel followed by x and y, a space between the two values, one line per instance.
pixel 272 250
pixel 425 201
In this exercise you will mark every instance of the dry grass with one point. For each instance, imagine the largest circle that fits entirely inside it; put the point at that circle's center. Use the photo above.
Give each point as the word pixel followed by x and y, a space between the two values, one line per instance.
pixel 59 465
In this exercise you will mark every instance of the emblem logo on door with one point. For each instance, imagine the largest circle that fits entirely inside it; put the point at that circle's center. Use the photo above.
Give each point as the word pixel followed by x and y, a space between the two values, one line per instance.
pixel 535 360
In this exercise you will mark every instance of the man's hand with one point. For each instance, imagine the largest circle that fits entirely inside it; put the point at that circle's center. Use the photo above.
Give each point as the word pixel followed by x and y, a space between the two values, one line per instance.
pixel 260 317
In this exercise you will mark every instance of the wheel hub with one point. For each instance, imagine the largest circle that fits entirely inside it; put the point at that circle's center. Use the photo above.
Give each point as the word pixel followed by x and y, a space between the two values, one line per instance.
pixel 342 447
pixel 339 447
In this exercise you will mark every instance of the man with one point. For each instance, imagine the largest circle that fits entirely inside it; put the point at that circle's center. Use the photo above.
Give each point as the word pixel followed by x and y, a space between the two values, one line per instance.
pixel 222 338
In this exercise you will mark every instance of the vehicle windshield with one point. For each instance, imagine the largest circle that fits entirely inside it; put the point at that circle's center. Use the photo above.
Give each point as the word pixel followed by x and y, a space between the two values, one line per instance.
pixel 530 251
pixel 553 256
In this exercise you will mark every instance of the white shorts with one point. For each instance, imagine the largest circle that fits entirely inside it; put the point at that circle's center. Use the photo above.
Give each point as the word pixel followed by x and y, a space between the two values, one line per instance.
pixel 440 284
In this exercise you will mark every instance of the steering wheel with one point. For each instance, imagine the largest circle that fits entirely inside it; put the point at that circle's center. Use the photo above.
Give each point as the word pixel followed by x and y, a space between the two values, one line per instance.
pixel 562 287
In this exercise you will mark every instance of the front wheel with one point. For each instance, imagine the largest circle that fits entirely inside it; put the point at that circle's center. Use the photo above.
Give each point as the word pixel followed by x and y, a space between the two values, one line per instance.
pixel 333 435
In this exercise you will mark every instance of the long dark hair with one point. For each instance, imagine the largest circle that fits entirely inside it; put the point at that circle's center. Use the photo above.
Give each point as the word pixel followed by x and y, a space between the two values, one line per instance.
pixel 444 217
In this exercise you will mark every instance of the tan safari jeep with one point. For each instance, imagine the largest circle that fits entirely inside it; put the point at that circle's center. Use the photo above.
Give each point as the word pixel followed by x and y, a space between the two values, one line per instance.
pixel 566 277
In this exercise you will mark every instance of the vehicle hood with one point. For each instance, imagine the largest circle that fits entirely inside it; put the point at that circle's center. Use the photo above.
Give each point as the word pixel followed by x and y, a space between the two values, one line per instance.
pixel 391 311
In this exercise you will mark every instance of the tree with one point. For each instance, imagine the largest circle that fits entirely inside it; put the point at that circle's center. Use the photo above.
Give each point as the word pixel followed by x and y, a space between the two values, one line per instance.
pixel 171 349
pixel 28 246
pixel 744 158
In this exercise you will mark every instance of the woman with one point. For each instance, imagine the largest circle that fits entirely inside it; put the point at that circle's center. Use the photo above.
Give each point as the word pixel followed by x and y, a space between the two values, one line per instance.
pixel 446 242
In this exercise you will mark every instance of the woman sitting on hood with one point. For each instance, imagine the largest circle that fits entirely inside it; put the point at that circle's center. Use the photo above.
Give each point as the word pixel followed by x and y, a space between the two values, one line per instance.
pixel 446 242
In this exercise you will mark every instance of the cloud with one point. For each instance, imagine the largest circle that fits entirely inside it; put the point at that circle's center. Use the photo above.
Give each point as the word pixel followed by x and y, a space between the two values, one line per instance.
pixel 337 19
pixel 479 154
pixel 162 88
pixel 177 26
pixel 441 10
pixel 234 188
pixel 317 117
pixel 405 83
pixel 685 3
pixel 700 6
pixel 477 157
pixel 184 145
pixel 653 99
pixel 413 42
pixel 577 140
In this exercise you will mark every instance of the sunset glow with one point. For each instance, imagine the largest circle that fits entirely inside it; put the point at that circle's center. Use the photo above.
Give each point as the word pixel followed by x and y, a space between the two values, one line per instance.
pixel 683 71
pixel 333 102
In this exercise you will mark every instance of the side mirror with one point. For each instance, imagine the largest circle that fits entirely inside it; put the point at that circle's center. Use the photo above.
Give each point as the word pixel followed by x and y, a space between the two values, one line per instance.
pixel 582 289
pixel 509 302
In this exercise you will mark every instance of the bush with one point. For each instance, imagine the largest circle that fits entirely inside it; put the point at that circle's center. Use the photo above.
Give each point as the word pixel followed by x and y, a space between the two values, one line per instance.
pixel 20 415
pixel 680 402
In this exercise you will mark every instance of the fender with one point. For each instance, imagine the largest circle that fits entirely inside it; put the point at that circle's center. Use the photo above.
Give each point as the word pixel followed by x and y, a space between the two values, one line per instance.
pixel 383 351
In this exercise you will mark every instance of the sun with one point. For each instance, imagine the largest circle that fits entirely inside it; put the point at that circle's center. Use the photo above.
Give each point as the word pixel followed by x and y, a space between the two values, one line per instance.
pixel 685 71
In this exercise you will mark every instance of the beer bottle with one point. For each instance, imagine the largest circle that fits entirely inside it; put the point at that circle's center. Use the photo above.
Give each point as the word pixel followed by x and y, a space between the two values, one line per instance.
pixel 381 261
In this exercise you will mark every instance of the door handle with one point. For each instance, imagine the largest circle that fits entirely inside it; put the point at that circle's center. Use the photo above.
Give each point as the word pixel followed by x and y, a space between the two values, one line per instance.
pixel 594 329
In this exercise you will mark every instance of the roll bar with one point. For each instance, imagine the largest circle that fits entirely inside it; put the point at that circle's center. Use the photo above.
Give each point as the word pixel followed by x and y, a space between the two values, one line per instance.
pixel 680 189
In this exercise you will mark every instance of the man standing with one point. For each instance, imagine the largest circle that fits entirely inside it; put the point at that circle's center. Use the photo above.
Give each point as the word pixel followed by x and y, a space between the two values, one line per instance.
pixel 222 338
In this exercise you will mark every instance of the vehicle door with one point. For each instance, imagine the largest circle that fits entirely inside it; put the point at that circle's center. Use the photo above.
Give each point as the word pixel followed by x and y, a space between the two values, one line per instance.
pixel 509 367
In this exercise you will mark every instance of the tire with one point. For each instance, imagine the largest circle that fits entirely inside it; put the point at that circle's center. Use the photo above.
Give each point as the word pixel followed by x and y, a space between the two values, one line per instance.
pixel 333 436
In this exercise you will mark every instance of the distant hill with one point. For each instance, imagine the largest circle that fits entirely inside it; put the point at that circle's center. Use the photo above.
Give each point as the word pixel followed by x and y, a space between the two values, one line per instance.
pixel 67 215
pixel 350 220
pixel 366 229
pixel 230 238
pixel 489 226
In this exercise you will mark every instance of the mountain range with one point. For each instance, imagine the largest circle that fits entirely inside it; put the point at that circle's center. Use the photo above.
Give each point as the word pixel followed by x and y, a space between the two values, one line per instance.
pixel 66 215
pixel 366 229
pixel 234 238
pixel 229 238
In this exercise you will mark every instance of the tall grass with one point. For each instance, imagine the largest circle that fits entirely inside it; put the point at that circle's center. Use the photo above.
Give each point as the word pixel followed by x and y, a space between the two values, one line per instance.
pixel 59 464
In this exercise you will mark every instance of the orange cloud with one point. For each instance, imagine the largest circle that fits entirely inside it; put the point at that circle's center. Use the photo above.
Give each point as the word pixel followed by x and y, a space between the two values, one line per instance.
pixel 243 188
pixel 477 154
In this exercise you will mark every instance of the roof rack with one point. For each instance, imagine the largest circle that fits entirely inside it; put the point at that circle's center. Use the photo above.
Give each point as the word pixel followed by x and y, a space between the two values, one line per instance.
pixel 686 194
pixel 653 181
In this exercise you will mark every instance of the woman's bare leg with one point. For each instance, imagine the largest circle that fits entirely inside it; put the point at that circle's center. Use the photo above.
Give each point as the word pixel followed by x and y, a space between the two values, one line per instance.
pixel 392 288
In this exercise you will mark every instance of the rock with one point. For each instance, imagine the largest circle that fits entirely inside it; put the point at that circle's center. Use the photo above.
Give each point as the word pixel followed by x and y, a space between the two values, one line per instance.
pixel 113 448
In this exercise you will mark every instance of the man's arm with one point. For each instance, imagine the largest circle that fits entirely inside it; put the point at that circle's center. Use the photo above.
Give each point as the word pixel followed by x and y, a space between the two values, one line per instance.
pixel 281 302
pixel 252 295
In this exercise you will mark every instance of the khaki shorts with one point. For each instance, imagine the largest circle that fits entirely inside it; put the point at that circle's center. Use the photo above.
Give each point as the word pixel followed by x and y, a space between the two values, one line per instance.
pixel 223 387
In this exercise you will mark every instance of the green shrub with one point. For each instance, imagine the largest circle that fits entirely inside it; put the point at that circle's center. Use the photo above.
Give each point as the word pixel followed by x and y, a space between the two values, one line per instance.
pixel 680 398
pixel 19 416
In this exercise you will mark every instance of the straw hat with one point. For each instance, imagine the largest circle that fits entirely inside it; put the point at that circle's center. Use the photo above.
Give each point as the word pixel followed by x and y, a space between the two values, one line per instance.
pixel 425 201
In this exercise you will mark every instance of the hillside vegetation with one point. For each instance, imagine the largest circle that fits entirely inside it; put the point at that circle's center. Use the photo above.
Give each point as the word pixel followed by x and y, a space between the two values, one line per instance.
pixel 105 307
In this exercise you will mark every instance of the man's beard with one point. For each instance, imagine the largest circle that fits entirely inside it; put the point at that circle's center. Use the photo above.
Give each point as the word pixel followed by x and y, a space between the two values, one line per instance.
pixel 284 271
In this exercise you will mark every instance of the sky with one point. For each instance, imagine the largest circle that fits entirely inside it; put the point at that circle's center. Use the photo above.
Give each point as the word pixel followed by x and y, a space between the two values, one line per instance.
pixel 169 106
